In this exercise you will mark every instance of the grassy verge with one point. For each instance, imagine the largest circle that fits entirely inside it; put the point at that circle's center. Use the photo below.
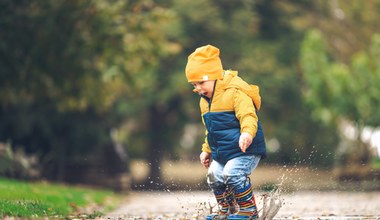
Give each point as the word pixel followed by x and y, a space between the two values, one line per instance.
pixel 376 164
pixel 35 200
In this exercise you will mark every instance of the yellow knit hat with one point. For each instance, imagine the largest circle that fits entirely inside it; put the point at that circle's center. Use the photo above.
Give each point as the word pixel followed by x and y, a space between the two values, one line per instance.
pixel 204 64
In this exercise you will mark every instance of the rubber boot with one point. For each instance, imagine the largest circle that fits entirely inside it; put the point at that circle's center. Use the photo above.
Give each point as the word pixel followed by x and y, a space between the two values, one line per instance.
pixel 222 207
pixel 247 205
pixel 233 207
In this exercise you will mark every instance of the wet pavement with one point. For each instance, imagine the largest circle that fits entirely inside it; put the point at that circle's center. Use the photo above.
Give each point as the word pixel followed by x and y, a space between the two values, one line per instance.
pixel 297 205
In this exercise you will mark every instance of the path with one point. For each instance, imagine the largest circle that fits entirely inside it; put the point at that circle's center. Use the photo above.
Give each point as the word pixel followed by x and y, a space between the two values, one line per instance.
pixel 299 205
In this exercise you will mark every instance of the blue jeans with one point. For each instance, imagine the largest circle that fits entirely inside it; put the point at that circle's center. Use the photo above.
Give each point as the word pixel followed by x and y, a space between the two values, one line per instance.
pixel 234 174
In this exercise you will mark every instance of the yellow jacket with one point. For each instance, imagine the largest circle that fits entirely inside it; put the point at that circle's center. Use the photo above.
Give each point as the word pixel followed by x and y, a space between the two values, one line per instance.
pixel 230 112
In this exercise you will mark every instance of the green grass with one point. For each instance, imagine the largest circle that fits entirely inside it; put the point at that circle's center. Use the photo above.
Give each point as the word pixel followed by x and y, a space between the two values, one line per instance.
pixel 34 200
pixel 376 164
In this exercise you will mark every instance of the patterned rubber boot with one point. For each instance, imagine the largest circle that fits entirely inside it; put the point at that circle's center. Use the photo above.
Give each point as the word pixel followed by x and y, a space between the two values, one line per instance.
pixel 246 200
pixel 222 207
pixel 233 207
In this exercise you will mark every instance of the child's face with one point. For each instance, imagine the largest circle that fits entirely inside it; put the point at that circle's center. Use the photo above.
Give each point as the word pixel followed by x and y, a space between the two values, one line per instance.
pixel 205 88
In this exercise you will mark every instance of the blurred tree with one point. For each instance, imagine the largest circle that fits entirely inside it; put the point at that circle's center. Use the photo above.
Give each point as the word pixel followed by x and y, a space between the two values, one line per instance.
pixel 153 106
pixel 274 61
pixel 67 69
pixel 339 92
pixel 346 26
pixel 44 78
pixel 343 52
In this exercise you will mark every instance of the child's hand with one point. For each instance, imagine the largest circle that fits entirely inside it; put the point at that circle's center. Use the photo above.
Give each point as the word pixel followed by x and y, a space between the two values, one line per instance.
pixel 205 159
pixel 244 141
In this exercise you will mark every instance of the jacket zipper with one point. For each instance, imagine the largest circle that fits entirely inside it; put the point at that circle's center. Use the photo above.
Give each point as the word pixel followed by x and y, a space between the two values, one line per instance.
pixel 209 100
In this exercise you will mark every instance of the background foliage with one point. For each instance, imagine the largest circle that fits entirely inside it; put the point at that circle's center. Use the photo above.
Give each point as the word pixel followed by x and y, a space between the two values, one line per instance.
pixel 85 83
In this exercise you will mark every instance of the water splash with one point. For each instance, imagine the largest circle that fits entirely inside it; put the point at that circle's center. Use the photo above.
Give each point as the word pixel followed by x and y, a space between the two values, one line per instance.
pixel 272 202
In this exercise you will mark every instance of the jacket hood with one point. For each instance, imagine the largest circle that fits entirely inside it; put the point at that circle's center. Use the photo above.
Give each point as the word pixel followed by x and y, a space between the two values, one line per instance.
pixel 232 80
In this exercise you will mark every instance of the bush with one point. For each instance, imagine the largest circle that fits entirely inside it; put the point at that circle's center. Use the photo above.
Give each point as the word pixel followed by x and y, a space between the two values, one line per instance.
pixel 16 164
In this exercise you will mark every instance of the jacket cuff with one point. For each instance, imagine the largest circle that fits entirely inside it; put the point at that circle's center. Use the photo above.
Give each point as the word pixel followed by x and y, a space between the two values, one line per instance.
pixel 206 148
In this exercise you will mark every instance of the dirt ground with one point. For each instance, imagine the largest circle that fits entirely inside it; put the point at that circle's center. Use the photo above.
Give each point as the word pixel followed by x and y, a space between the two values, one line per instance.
pixel 296 205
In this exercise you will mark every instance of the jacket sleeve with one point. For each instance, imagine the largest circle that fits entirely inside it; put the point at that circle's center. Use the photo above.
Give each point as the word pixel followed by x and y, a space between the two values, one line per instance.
pixel 205 145
pixel 245 112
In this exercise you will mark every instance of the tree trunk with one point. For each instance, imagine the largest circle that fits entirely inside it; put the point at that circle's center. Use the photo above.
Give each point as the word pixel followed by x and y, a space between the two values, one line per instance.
pixel 156 147
pixel 61 163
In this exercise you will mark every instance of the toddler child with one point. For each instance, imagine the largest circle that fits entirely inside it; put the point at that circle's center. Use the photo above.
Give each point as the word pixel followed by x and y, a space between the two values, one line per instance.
pixel 234 142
